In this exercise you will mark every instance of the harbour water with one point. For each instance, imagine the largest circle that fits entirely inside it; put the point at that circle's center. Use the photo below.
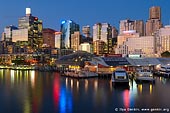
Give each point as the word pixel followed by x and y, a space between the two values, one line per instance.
pixel 48 92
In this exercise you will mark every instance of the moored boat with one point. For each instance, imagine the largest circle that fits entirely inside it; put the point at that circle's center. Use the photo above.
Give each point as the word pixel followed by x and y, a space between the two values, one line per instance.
pixel 144 75
pixel 120 76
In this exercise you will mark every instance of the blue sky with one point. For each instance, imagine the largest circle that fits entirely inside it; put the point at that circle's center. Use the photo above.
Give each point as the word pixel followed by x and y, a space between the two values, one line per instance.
pixel 84 12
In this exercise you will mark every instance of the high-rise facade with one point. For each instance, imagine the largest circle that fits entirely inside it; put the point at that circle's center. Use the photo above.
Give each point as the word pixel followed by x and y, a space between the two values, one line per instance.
pixel 8 32
pixel 163 40
pixel 127 25
pixel 154 22
pixel 86 31
pixel 144 46
pixel 58 40
pixel 20 35
pixel 102 33
pixel 75 40
pixel 155 13
pixel 49 37
pixel 67 28
pixel 34 26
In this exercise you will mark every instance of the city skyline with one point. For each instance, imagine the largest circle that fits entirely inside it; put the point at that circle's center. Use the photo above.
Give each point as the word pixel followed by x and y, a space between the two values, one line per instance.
pixel 81 12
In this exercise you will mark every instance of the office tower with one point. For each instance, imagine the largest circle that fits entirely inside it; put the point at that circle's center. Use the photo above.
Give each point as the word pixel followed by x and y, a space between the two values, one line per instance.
pixel 114 32
pixel 155 13
pixel 86 31
pixel 58 40
pixel 154 22
pixel 75 40
pixel 19 35
pixel 8 32
pixel 34 26
pixel 67 28
pixel 102 33
pixel 48 37
pixel 127 25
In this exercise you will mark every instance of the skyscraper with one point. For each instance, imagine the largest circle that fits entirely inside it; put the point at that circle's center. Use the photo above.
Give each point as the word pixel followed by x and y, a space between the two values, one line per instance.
pixel 102 32
pixel 75 40
pixel 8 32
pixel 86 31
pixel 154 22
pixel 155 13
pixel 58 40
pixel 49 37
pixel 127 25
pixel 67 28
pixel 34 26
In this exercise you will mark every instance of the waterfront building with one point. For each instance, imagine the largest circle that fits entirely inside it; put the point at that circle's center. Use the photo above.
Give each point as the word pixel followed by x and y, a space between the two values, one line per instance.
pixel 86 31
pixel 75 40
pixel 163 39
pixel 68 27
pixel 102 34
pixel 127 25
pixel 86 47
pixel 58 40
pixel 8 32
pixel 126 34
pixel 154 22
pixel 144 46
pixel 49 37
pixel 34 26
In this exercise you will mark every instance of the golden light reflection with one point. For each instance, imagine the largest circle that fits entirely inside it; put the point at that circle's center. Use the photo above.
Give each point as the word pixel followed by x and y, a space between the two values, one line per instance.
pixel 160 78
pixel 111 86
pixel 27 106
pixel 151 88
pixel 95 85
pixel 77 85
pixel 71 83
pixel 12 76
pixel 1 73
pixel 32 78
pixel 66 82
pixel 140 88
pixel 86 84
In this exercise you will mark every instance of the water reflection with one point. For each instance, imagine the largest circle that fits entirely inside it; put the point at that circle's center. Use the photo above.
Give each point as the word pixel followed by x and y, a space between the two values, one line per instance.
pixel 34 92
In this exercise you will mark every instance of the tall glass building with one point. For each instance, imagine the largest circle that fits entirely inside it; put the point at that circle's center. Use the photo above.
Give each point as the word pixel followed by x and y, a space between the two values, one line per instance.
pixel 34 26
pixel 68 27
pixel 8 32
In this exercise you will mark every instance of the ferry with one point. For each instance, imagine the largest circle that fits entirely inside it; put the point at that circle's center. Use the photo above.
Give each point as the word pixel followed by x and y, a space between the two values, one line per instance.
pixel 120 76
pixel 144 75
pixel 164 70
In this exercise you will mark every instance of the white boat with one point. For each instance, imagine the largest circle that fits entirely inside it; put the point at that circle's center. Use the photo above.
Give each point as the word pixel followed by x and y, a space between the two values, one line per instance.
pixel 120 76
pixel 164 70
pixel 144 75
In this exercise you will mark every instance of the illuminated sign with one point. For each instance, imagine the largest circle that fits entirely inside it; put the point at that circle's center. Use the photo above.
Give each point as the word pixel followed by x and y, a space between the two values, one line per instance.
pixel 63 22
pixel 134 56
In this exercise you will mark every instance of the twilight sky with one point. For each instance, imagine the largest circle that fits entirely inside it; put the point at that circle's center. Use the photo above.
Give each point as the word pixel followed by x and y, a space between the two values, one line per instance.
pixel 83 12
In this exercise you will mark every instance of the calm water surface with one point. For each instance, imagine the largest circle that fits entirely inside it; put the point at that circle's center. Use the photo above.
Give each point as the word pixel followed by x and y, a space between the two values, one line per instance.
pixel 47 92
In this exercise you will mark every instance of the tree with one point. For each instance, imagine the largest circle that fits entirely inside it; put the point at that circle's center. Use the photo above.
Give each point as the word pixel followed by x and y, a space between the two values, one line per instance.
pixel 165 54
